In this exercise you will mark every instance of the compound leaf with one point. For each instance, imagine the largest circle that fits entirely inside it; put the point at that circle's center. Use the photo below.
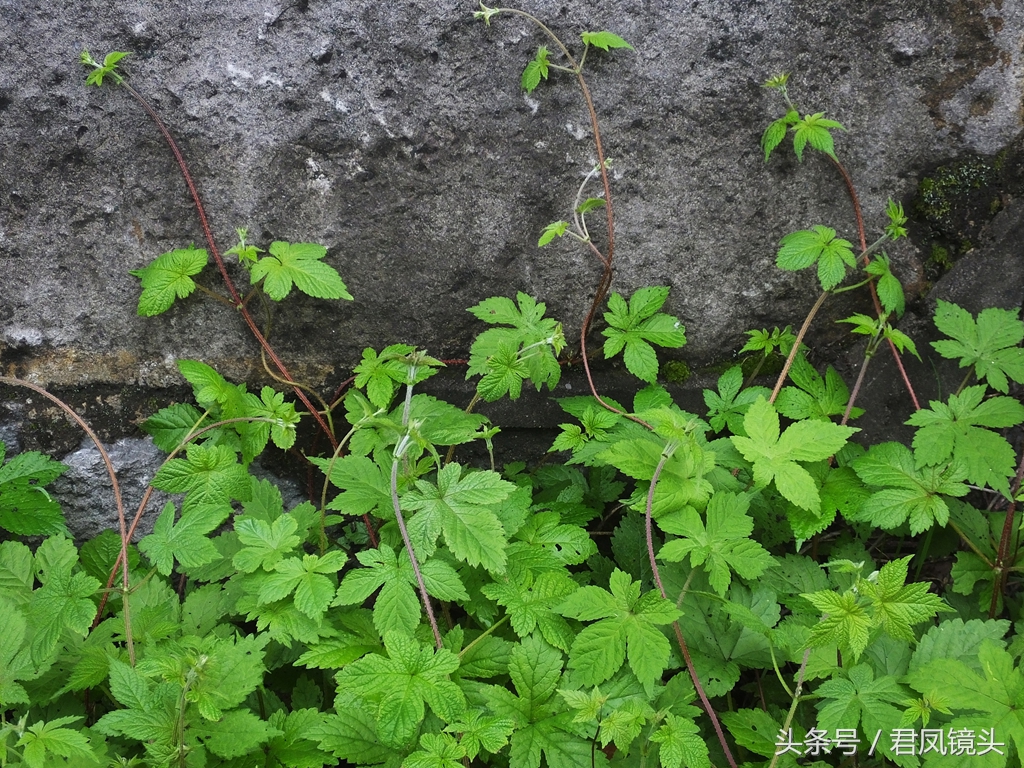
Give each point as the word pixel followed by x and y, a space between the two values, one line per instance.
pixel 185 541
pixel 803 248
pixel 723 547
pixel 168 277
pixel 638 325
pixel 775 457
pixel 988 343
pixel 605 40
pixel 298 264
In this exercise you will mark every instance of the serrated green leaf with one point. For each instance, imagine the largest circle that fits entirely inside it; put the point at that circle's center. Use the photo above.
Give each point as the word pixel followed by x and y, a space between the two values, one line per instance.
pixel 909 492
pixel 958 430
pixel 184 541
pixel 890 290
pixel 237 733
pixel 817 398
pixel 351 734
pixel 459 507
pixel 814 130
pixel 209 476
pixel 265 544
pixel 535 71
pixel 551 231
pixel 773 136
pixel 381 374
pixel 15 661
pixel 62 603
pixel 604 40
pixel 634 327
pixel 530 603
pixel 730 403
pixel 439 750
pixel 625 628
pixel 775 456
pixel 680 744
pixel 482 732
pixel 168 277
pixel 590 204
pixel 362 482
pixel 897 606
pixel 233 669
pixel 26 508
pixel 397 607
pixel 753 729
pixel 998 692
pixel 171 425
pixel 43 738
pixel 845 622
pixel 989 343
pixel 820 244
pixel 723 547
pixel 861 700
pixel 298 264
pixel 538 337
pixel 410 677
pixel 957 640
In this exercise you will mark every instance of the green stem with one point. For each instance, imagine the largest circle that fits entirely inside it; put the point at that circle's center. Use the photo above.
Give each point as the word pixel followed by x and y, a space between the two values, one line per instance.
pixel 400 451
pixel 327 478
pixel 796 700
pixel 856 387
pixel 778 672
pixel 757 369
pixel 424 597
pixel 484 634
pixel 214 295
pixel 796 346
pixel 967 378
pixel 846 288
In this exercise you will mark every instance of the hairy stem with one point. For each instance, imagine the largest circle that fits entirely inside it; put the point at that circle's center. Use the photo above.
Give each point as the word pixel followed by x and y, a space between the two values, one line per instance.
pixel 796 346
pixel 420 584
pixel 796 700
pixel 999 567
pixel 648 527
pixel 236 299
pixel 855 200
pixel 856 389
pixel 118 501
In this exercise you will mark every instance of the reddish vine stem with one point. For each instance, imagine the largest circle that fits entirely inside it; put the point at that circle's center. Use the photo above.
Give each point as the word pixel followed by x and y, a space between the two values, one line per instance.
pixel 1004 541
pixel 648 527
pixel 606 259
pixel 218 259
pixel 122 556
pixel 796 346
pixel 115 486
pixel 855 200
pixel 236 298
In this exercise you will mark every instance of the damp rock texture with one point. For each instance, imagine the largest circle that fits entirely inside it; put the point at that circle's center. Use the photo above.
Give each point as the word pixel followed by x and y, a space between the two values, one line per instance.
pixel 86 494
pixel 397 135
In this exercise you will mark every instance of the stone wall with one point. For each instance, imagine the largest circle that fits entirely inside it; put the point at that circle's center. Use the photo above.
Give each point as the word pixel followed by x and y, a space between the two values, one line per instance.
pixel 396 134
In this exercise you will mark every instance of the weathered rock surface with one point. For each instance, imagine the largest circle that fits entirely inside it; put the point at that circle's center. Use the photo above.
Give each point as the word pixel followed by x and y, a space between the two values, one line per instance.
pixel 86 494
pixel 396 135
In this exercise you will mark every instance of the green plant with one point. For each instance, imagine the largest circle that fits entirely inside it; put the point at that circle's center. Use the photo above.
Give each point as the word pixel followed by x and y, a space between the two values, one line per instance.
pixel 573 613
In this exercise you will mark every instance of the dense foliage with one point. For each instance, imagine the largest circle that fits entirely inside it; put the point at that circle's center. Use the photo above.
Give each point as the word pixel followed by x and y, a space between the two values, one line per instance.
pixel 669 589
